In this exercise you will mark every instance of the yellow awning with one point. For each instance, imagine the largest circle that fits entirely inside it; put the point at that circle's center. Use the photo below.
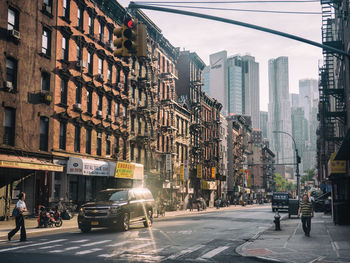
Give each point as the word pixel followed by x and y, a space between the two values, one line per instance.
pixel 17 162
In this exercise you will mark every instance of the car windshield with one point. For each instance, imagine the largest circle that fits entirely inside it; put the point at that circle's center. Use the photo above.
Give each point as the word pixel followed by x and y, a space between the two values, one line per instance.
pixel 112 196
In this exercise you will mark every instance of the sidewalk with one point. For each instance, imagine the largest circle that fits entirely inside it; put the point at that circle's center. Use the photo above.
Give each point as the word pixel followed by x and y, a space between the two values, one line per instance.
pixel 328 243
pixel 31 223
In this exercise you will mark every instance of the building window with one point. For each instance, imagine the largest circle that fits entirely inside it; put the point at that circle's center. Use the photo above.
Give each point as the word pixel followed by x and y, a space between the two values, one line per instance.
pixel 132 123
pixel 101 32
pixel 44 134
pixel 163 89
pixel 108 146
pixel 139 125
pixel 177 152
pixel 99 144
pixel 66 5
pixel 116 145
pixel 47 6
pixel 79 53
pixel 91 26
pixel 124 149
pixel 132 148
pixel 117 107
pixel 11 72
pixel 9 127
pixel 100 66
pixel 110 37
pixel 45 81
pixel 125 82
pixel 109 73
pixel 46 42
pixel 109 107
pixel 64 84
pixel 140 95
pixel 89 101
pixel 88 141
pixel 138 155
pixel 90 63
pixel 158 142
pixel 65 47
pixel 125 111
pixel 63 132
pixel 13 19
pixel 77 139
pixel 133 91
pixel 100 102
pixel 77 94
pixel 80 18
pixel 118 75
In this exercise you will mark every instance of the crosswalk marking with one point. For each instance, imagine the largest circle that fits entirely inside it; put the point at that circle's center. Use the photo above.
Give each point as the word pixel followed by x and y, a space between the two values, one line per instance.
pixel 96 243
pixel 186 251
pixel 84 252
pixel 58 245
pixel 118 244
pixel 213 252
pixel 63 250
pixel 80 241
pixel 125 250
pixel 32 245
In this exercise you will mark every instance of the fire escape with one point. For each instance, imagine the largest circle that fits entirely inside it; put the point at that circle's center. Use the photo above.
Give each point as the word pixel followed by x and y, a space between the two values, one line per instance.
pixel 332 108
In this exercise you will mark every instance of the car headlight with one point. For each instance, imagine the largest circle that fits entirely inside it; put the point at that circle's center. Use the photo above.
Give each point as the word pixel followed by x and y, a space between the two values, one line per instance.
pixel 81 211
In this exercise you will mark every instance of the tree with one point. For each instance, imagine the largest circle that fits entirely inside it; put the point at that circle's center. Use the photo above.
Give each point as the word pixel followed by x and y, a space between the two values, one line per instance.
pixel 309 176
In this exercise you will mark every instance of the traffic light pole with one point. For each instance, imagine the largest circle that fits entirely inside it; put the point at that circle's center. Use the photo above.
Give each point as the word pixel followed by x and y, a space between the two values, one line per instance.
pixel 134 5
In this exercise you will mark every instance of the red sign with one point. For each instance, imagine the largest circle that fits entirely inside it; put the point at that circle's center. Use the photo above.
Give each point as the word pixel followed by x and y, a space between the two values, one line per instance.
pixel 246 174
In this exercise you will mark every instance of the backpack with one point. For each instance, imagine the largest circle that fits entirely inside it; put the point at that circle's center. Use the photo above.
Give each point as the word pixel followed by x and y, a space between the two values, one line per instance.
pixel 15 212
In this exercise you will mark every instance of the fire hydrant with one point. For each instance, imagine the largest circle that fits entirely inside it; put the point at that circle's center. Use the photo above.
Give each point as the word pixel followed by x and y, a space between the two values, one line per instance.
pixel 277 221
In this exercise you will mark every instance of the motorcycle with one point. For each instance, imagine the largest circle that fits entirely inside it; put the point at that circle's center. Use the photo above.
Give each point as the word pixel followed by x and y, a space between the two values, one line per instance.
pixel 49 218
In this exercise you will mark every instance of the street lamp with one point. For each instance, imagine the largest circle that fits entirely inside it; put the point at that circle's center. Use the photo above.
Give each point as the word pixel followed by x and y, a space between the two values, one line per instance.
pixel 297 161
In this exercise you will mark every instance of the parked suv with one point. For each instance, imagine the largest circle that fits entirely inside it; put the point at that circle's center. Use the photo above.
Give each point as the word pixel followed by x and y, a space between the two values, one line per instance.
pixel 280 201
pixel 117 208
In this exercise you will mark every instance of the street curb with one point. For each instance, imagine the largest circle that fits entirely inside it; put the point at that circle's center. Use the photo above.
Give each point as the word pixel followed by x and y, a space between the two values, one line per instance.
pixel 239 249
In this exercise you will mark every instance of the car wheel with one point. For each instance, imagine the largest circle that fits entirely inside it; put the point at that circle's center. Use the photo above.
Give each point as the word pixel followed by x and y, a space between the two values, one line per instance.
pixel 85 229
pixel 124 222
pixel 149 219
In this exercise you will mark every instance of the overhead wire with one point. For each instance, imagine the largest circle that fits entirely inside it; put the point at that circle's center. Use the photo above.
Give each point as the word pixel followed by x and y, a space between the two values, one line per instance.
pixel 240 10
pixel 229 2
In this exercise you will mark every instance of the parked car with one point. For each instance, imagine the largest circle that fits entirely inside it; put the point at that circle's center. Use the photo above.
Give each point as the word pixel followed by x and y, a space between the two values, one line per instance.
pixel 117 208
pixel 280 201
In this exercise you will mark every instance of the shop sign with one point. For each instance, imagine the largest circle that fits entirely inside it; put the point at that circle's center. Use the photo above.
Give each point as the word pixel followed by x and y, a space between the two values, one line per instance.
pixel 213 169
pixel 87 167
pixel 186 170
pixel 168 162
pixel 31 166
pixel 182 173
pixel 208 185
pixel 336 167
pixel 199 171
pixel 124 170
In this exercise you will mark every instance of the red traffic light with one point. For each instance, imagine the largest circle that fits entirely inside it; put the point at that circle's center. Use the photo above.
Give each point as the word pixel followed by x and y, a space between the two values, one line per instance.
pixel 129 23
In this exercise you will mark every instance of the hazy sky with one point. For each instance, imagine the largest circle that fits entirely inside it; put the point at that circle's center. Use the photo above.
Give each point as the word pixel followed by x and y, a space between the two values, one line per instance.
pixel 206 37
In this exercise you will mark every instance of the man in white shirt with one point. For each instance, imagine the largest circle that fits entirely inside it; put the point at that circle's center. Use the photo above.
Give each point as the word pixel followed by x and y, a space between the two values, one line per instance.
pixel 21 207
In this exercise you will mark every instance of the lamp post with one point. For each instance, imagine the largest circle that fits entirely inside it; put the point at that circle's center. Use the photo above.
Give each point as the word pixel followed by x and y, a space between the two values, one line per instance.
pixel 297 161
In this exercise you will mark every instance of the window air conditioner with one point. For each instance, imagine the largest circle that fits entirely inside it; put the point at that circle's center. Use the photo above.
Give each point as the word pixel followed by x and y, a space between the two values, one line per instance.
pixel 15 34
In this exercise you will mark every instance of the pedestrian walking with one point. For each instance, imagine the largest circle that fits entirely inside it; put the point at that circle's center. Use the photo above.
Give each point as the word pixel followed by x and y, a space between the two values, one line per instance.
pixel 190 200
pixel 18 212
pixel 307 212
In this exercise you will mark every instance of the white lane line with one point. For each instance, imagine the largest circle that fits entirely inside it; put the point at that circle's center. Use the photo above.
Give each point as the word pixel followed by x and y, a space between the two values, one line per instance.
pixel 186 251
pixel 96 243
pixel 80 241
pixel 32 245
pixel 84 252
pixel 125 250
pixel 58 245
pixel 118 244
pixel 214 252
pixel 63 250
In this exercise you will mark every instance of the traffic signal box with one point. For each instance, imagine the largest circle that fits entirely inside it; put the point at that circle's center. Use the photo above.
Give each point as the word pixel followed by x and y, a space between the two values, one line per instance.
pixel 131 39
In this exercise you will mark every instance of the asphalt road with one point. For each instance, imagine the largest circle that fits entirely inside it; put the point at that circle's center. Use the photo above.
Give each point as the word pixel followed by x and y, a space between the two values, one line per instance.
pixel 209 237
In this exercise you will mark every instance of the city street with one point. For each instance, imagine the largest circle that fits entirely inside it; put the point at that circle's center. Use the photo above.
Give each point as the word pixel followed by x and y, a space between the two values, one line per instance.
pixel 204 237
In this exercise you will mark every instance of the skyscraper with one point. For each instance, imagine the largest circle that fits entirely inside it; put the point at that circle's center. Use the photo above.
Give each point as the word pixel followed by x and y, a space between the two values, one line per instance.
pixel 218 79
pixel 235 100
pixel 263 123
pixel 206 80
pixel 279 110
pixel 250 92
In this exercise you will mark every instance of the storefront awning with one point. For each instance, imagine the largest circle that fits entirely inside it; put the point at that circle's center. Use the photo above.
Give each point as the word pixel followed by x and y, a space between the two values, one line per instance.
pixel 344 150
pixel 18 162
pixel 88 167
